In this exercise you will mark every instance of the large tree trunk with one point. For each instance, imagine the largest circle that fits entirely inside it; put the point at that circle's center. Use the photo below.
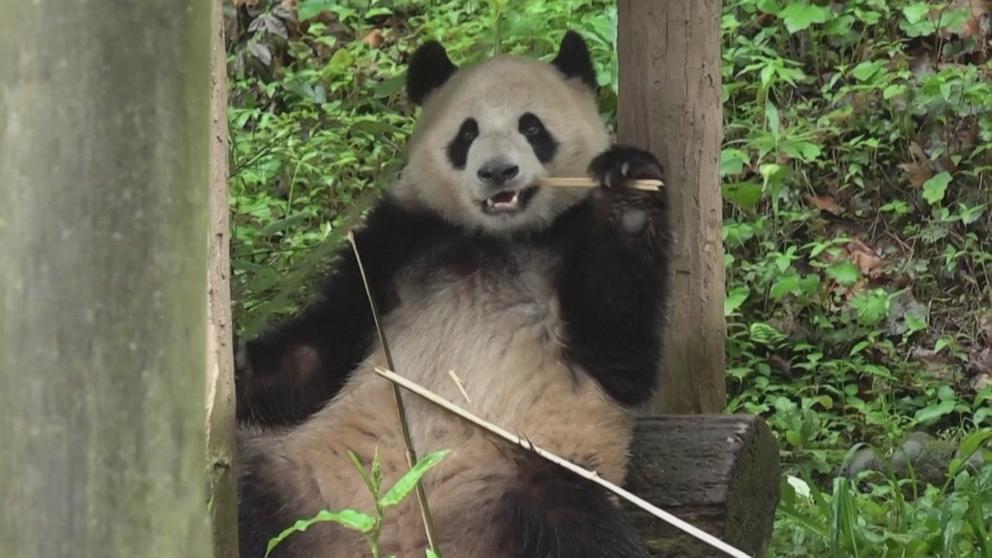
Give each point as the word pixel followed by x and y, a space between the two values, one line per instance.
pixel 670 104
pixel 220 358
pixel 103 216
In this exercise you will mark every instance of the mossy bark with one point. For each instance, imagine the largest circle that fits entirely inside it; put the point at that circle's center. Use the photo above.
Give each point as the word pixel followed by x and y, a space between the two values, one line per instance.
pixel 103 221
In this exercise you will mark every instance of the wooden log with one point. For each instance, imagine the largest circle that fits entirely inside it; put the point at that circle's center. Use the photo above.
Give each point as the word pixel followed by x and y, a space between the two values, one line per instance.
pixel 670 104
pixel 103 228
pixel 718 472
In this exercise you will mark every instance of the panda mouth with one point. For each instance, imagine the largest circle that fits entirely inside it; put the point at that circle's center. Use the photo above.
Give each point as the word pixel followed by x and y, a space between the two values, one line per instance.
pixel 509 201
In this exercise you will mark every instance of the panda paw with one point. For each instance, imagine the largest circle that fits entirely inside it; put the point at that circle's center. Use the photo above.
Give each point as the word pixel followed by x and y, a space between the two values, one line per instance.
pixel 620 164
pixel 614 169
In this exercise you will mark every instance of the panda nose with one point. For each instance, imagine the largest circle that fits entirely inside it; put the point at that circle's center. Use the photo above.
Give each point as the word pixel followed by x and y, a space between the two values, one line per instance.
pixel 497 173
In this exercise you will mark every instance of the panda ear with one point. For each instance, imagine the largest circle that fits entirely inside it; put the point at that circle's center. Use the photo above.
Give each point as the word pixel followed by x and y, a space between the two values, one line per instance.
pixel 574 61
pixel 429 68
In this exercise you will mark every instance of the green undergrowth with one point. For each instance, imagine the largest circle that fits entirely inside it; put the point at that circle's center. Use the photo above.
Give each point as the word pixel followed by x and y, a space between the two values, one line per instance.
pixel 857 178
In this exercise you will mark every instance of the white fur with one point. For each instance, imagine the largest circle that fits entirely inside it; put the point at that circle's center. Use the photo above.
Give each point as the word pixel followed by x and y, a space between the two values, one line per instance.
pixel 501 334
pixel 496 93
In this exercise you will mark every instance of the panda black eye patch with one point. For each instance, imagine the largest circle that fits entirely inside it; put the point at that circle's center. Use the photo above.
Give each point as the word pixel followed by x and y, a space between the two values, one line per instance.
pixel 541 141
pixel 458 147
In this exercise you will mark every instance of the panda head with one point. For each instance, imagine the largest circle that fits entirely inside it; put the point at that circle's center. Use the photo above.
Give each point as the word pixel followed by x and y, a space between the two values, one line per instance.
pixel 487 133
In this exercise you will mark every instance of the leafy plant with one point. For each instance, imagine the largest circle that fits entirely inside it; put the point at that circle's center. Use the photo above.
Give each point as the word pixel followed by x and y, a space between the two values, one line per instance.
pixel 368 524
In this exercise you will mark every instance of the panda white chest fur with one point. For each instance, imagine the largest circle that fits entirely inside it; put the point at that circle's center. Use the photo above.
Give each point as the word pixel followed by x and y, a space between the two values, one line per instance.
pixel 537 309
pixel 499 329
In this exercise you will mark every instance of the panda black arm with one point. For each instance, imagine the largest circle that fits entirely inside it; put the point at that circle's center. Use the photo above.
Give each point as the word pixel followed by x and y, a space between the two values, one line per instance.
pixel 613 281
pixel 288 373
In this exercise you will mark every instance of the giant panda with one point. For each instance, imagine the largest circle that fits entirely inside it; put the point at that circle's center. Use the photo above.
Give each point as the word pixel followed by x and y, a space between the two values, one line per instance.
pixel 547 303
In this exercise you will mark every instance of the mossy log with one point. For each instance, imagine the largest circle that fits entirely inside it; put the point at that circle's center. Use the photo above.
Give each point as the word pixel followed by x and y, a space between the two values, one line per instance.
pixel 719 473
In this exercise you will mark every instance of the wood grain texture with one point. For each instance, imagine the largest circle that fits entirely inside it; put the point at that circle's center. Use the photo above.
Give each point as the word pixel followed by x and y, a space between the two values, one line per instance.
pixel 670 104
pixel 720 473
pixel 222 494
pixel 103 217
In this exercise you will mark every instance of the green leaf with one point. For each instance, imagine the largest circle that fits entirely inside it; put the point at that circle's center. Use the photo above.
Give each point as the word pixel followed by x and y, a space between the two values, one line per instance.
pixel 865 70
pixel 735 298
pixel 935 188
pixel 915 12
pixel 409 481
pixel 845 273
pixel 743 194
pixel 800 15
pixel 872 307
pixel 893 90
pixel 771 116
pixel 732 161
pixel 934 412
pixel 340 61
pixel 389 87
pixel 765 334
pixel 352 519
pixel 786 285
pixel 313 8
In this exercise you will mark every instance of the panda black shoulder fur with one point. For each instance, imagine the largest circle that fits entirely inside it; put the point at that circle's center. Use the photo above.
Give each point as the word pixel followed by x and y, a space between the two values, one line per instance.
pixel 547 303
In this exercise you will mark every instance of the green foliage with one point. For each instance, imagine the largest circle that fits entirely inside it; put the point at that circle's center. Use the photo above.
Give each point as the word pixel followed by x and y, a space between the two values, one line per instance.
pixel 852 194
pixel 369 525
pixel 856 178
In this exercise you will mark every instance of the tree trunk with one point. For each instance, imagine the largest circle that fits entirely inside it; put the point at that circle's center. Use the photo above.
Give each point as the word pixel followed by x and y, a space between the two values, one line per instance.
pixel 103 216
pixel 220 358
pixel 670 104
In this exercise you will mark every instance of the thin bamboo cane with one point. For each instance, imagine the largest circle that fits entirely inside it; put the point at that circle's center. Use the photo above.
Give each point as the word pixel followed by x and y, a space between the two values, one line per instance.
pixel 592 476
pixel 581 182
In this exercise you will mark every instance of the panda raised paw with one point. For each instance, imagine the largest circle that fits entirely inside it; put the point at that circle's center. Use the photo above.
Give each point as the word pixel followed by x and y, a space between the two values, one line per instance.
pixel 613 170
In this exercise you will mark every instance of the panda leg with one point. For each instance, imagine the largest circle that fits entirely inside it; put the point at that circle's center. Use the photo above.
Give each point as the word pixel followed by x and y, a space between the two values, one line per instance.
pixel 553 513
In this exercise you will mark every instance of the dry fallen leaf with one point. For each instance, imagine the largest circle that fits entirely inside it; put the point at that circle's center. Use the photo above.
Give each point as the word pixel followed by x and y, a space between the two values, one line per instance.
pixel 373 39
pixel 979 368
pixel 865 258
pixel 824 203
pixel 938 365
pixel 978 25
pixel 917 173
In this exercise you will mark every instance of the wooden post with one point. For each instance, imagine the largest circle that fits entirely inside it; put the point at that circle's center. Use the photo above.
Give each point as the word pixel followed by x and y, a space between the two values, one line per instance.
pixel 220 354
pixel 103 221
pixel 670 104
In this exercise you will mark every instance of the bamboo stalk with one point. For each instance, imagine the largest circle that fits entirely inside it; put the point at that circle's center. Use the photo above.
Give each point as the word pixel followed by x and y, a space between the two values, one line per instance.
pixel 411 454
pixel 582 182
pixel 592 476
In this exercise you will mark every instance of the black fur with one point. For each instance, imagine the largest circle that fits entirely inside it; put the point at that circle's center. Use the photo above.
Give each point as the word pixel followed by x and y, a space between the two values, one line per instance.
pixel 573 59
pixel 612 285
pixel 279 389
pixel 457 149
pixel 544 144
pixel 429 68
pixel 264 510
pixel 553 513
pixel 611 288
